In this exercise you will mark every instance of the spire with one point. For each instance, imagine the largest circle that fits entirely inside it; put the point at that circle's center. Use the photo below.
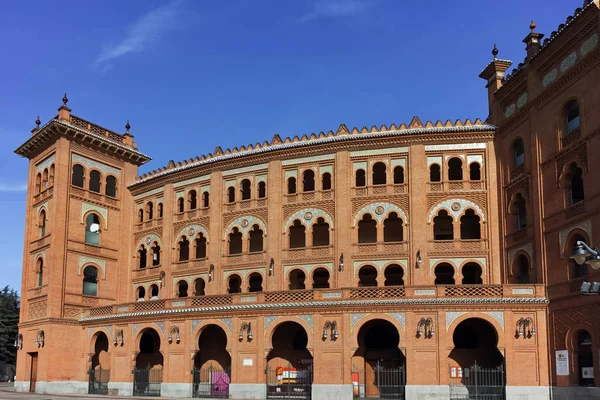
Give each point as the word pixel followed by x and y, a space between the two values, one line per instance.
pixel 37 126
pixel 64 112
pixel 493 74
pixel 127 127
pixel 533 41
pixel 495 51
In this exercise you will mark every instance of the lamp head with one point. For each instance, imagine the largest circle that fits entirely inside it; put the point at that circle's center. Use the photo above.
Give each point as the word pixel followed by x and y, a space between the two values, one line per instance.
pixel 580 253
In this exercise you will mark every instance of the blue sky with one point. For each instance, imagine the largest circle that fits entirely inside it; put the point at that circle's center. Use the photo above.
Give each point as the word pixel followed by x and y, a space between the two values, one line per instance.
pixel 191 75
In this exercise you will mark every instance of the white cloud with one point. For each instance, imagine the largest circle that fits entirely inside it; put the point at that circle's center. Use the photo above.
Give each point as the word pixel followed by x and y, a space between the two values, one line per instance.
pixel 13 187
pixel 141 34
pixel 336 8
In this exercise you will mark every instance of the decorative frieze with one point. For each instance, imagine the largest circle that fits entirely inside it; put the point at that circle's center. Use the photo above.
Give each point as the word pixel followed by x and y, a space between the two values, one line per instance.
pixel 269 320
pixel 457 146
pixel 379 152
pixel 455 207
pixel 85 260
pixel 305 160
pixel 380 211
pixel 451 316
pixel 46 163
pixel 307 268
pixel 195 323
pixel 148 240
pixel 498 316
pixel 227 322
pixel 93 164
pixel 192 181
pixel 308 216
pixel 86 207
pixel 244 224
pixel 308 319
pixel 400 317
pixel 354 318
pixel 191 231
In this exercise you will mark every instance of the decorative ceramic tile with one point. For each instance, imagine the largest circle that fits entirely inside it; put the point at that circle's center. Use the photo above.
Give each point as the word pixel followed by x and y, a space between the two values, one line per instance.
pixel 378 152
pixel 478 158
pixel 434 160
pixel 455 207
pixel 527 248
pixel 46 163
pixel 195 323
pixel 269 320
pixel 191 231
pixel 244 170
pixel 150 193
pixel 451 316
pixel 359 165
pixel 400 317
pixel 86 207
pixel 108 329
pixel 498 316
pixel 205 188
pixel 245 224
pixel 458 146
pixel 43 205
pixel 326 169
pixel 549 77
pixel 354 318
pixel 192 181
pixel 92 164
pixel 261 178
pixel 522 100
pixel 308 319
pixel 149 240
pixel 309 216
pixel 510 110
pixel 291 174
pixel 380 211
pixel 585 226
pixel 399 162
pixel 568 62
pixel 304 160
pixel 589 44
pixel 307 267
pixel 244 272
pixel 161 326
pixel 39 254
pixel 227 322
pixel 135 327
pixel 379 264
pixel 85 260
pixel 457 262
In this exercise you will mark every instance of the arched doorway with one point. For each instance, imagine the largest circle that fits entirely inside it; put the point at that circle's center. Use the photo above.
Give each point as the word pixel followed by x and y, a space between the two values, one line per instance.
pixel 475 363
pixel 99 373
pixel 378 365
pixel 147 375
pixel 584 354
pixel 212 364
pixel 289 363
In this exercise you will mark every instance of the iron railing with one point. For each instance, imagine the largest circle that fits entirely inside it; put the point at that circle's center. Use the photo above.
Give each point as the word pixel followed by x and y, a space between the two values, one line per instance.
pixel 477 383
pixel 376 381
pixel 211 382
pixel 289 382
pixel 147 381
pixel 98 381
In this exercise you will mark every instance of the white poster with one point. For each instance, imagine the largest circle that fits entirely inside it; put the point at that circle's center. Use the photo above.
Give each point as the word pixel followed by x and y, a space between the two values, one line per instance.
pixel 587 373
pixel 562 362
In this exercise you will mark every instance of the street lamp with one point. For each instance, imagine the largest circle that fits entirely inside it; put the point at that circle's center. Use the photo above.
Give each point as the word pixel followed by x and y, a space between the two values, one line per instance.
pixel 585 254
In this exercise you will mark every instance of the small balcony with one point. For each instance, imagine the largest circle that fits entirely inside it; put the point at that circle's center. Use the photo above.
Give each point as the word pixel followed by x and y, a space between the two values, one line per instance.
pixel 245 258
pixel 380 190
pixel 472 245
pixel 94 196
pixel 455 186
pixel 249 204
pixel 380 248
pixel 315 195
pixel 300 253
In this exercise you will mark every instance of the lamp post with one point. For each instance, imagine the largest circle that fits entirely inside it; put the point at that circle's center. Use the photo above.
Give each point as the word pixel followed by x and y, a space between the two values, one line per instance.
pixel 583 254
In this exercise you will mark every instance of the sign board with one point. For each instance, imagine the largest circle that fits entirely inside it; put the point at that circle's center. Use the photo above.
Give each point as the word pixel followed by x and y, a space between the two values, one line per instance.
pixel 247 362
pixel 562 362
pixel 587 373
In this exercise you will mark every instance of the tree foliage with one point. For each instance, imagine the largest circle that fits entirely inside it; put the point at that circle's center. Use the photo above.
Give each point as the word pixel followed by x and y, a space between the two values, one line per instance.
pixel 9 318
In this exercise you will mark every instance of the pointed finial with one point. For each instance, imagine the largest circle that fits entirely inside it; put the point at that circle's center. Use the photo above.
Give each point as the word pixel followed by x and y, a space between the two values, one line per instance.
pixel 38 122
pixel 65 100
pixel 127 126
pixel 532 26
pixel 495 51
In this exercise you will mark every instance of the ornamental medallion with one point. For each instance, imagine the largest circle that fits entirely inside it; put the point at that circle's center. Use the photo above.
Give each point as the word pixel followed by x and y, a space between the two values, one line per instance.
pixel 308 216
pixel 455 206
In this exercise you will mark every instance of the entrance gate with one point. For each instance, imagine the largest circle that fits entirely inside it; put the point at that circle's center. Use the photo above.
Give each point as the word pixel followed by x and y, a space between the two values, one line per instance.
pixel 98 381
pixel 477 383
pixel 211 382
pixel 289 383
pixel 147 381
pixel 378 381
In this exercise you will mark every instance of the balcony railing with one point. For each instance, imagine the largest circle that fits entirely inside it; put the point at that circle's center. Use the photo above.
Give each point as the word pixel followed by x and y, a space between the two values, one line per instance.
pixel 249 204
pixel 308 252
pixel 315 195
pixel 387 189
pixel 243 258
pixel 99 197
pixel 455 186
pixel 318 295
pixel 451 245
pixel 380 248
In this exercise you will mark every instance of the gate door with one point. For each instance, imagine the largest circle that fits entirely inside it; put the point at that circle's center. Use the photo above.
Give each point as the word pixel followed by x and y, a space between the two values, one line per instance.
pixel 477 383
pixel 147 381
pixel 289 382
pixel 98 381
pixel 211 382
pixel 378 381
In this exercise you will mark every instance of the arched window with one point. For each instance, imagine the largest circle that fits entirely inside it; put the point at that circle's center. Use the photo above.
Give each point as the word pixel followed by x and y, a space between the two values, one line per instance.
pixel 42 223
pixel 469 225
pixel 155 254
pixel 180 205
pixel 367 229
pixel 90 281
pixel 320 232
pixel 521 269
pixel 575 192
pixel 326 181
pixel 40 271
pixel 246 189
pixel 111 186
pixel 45 179
pixel 235 284
pixel 154 292
pixel 262 190
pixel 442 226
pixel 455 172
pixel 95 178
pixel 297 235
pixel 444 274
pixel 291 184
pixel 231 194
pixel 38 183
pixel 308 181
pixel 435 173
pixel 573 120
pixel 474 171
pixel 149 210
pixel 398 175
pixel 160 210
pixel 184 249
pixel 52 171
pixel 199 287
pixel 576 270
pixel 92 229
pixel 472 274
pixel 205 198
pixel 141 293
pixel 297 280
pixel 255 282
pixel 392 228
pixel 256 239
pixel 361 180
pixel 518 152
pixel 235 241
pixel 367 276
pixel 182 289
pixel 379 174
pixel 142 255
pixel 192 201
pixel 321 278
pixel 140 215
pixel 519 210
pixel 394 275
pixel 200 243
pixel 584 351
pixel 78 176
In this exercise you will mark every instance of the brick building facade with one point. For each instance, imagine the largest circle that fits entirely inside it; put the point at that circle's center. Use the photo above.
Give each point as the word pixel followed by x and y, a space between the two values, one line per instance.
pixel 397 260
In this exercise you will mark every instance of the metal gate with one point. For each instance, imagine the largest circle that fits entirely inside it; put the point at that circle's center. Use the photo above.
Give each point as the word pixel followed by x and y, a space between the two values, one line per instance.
pixel 376 381
pixel 98 381
pixel 477 383
pixel 211 382
pixel 147 381
pixel 289 382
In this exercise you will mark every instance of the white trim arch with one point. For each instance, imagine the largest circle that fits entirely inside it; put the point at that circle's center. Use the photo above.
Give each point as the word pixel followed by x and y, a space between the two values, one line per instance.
pixel 245 224
pixel 456 208
pixel 380 212
pixel 190 232
pixel 95 262
pixel 148 240
pixel 308 216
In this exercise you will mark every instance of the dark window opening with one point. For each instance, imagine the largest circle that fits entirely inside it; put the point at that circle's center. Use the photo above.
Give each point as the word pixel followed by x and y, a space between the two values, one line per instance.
pixel 78 177
pixel 153 292
pixel 184 249
pixel 262 190
pixel 577 192
pixel 199 287
pixel 40 271
pixel 379 174
pixel 140 215
pixel 180 205
pixel 235 241
pixel 320 232
pixel 200 243
pixel 518 152
pixel 472 274
pixel 235 284
pixel 291 183
pixel 392 228
pixel 521 269
pixel 205 199
pixel 297 280
pixel 141 293
pixel 155 254
pixel 398 175
pixel 90 281
pixel 92 229
pixel 573 119
pixel 520 211
pixel 160 210
pixel 435 173
pixel 321 279
pixel 326 181
pixel 367 276
pixel 192 199
pixel 361 180
pixel 475 171
pixel 42 223
pixel 182 289
pixel 246 189
pixel 442 226
pixel 444 274
pixel 256 239
pixel 455 172
pixel 394 275
pixel 255 282
pixel 231 194
pixel 297 235
pixel 150 210
pixel 111 186
pixel 142 254
pixel 469 225
pixel 308 181
pixel 367 229
pixel 95 181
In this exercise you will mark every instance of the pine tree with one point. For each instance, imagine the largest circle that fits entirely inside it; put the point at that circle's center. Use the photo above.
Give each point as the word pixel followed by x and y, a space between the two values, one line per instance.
pixel 9 318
